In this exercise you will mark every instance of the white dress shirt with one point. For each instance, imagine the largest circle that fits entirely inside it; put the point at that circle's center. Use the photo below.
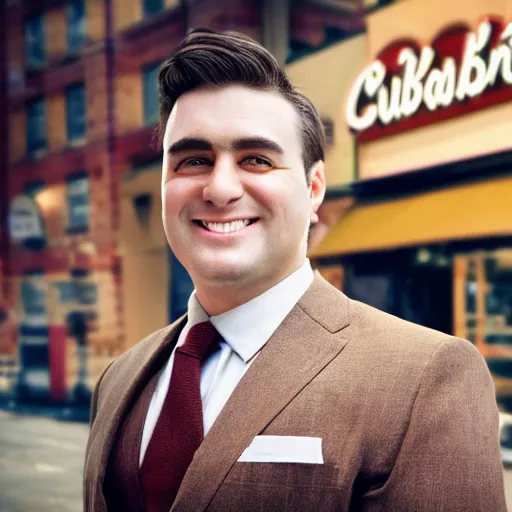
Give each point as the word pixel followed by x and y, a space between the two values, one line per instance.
pixel 244 330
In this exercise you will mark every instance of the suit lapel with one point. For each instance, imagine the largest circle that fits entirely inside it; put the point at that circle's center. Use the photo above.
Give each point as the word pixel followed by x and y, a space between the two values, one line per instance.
pixel 306 341
pixel 143 362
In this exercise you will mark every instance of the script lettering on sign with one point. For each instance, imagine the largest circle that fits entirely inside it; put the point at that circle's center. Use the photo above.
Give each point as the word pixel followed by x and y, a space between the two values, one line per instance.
pixel 409 85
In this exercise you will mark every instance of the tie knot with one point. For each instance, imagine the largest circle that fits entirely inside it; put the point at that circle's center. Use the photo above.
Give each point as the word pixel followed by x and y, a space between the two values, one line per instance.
pixel 200 340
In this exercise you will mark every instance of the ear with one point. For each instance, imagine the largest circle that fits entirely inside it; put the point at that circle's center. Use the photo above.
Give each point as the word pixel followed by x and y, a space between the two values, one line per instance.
pixel 317 186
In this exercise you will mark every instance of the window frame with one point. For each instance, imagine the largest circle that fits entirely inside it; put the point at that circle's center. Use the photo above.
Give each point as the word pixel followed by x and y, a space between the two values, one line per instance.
pixel 74 226
pixel 76 28
pixel 149 73
pixel 37 142
pixel 34 39
pixel 72 134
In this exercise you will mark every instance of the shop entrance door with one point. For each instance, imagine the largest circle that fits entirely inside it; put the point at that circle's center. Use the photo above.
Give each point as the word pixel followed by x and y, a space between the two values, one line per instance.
pixel 415 288
pixel 428 297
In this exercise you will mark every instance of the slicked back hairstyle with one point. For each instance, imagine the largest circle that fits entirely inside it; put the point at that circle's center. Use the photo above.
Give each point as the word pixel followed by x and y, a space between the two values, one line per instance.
pixel 208 58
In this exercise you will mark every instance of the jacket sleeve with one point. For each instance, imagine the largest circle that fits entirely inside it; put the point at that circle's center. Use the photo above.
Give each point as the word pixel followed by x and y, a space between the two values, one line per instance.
pixel 87 476
pixel 449 459
pixel 96 394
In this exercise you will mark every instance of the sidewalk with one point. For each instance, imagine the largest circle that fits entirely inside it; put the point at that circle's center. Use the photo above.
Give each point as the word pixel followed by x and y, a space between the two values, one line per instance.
pixel 59 412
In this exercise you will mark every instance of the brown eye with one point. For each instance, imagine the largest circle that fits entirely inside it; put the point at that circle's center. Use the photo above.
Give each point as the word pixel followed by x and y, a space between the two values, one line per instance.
pixel 192 163
pixel 257 161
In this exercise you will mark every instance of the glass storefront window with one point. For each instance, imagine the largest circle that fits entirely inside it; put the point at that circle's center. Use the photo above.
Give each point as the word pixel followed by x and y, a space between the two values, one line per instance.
pixel 486 307
pixel 498 299
pixel 465 294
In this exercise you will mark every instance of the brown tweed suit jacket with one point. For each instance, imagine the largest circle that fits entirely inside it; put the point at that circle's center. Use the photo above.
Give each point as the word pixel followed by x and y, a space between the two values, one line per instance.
pixel 407 417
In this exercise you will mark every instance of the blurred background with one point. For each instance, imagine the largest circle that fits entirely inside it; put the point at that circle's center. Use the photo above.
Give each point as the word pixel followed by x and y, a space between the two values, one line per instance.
pixel 416 101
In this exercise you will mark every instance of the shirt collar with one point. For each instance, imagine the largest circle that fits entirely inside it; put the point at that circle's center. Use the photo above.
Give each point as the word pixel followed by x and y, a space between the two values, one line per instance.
pixel 248 327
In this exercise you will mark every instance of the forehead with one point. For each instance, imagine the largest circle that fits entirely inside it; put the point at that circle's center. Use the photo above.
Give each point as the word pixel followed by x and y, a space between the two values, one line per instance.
pixel 225 113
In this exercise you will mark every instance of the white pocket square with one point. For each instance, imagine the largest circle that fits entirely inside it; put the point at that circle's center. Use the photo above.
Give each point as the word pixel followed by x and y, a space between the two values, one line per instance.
pixel 301 450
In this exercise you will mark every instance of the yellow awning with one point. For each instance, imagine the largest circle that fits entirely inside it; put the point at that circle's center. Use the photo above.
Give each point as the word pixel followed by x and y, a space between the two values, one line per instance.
pixel 476 210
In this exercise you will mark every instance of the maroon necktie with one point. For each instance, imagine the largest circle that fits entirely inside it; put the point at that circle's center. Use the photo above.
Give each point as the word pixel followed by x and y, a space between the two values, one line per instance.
pixel 179 429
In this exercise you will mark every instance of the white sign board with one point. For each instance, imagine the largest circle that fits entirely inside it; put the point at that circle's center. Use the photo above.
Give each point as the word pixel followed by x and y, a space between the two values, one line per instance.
pixel 25 221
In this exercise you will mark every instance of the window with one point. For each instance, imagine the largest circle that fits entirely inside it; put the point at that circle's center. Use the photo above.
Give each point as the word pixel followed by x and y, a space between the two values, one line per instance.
pixel 76 112
pixel 317 24
pixel 151 7
pixel 34 41
pixel 27 217
pixel 78 203
pixel 76 32
pixel 77 291
pixel 33 294
pixel 36 126
pixel 150 93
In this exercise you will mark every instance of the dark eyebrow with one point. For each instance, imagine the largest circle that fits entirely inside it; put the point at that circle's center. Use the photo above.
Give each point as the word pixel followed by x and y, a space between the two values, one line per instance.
pixel 189 144
pixel 193 144
pixel 256 143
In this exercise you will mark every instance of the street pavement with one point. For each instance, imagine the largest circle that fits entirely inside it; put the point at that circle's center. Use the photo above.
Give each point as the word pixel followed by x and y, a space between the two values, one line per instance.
pixel 41 463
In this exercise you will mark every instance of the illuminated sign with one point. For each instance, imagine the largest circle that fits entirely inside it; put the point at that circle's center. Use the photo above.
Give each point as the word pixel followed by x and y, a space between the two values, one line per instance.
pixel 409 85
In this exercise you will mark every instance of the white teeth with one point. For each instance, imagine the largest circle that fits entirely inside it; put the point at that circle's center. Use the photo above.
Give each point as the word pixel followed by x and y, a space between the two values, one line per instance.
pixel 226 227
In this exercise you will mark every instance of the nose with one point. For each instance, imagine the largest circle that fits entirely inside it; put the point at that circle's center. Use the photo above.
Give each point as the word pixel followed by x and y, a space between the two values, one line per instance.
pixel 224 185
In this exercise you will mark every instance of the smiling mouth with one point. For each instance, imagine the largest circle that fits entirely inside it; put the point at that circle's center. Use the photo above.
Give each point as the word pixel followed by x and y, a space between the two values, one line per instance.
pixel 225 227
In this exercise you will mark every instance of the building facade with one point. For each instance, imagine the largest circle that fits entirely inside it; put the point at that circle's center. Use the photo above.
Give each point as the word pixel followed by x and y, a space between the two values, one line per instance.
pixel 428 236
pixel 87 271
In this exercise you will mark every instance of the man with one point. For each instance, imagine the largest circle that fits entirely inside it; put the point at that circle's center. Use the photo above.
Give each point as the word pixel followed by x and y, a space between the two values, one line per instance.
pixel 306 400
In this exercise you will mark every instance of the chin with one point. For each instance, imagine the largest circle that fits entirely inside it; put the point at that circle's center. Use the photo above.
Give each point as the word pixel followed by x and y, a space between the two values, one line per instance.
pixel 228 271
pixel 226 274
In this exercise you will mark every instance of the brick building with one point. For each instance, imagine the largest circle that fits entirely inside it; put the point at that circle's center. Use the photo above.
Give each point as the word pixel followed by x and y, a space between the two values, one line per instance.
pixel 85 255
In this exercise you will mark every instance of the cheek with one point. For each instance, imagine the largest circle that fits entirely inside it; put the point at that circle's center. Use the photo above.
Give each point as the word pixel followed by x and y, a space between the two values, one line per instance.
pixel 285 197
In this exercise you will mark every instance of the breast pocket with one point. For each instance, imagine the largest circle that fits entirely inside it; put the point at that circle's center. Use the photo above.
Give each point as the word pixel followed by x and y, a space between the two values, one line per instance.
pixel 280 487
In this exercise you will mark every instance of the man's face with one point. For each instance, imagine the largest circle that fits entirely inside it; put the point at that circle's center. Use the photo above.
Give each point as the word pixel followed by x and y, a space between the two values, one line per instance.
pixel 236 202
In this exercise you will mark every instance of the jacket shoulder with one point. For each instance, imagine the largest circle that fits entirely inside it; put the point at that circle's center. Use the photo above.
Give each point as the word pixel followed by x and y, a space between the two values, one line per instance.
pixel 377 328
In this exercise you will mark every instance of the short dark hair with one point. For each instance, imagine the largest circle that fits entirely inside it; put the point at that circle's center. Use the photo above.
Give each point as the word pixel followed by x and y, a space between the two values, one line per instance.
pixel 208 58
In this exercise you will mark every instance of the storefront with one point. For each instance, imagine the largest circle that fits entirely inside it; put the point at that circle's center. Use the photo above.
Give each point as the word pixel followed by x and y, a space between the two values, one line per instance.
pixel 429 237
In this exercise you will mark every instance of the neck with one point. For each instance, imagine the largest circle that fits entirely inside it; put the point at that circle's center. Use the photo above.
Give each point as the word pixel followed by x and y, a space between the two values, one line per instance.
pixel 217 298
